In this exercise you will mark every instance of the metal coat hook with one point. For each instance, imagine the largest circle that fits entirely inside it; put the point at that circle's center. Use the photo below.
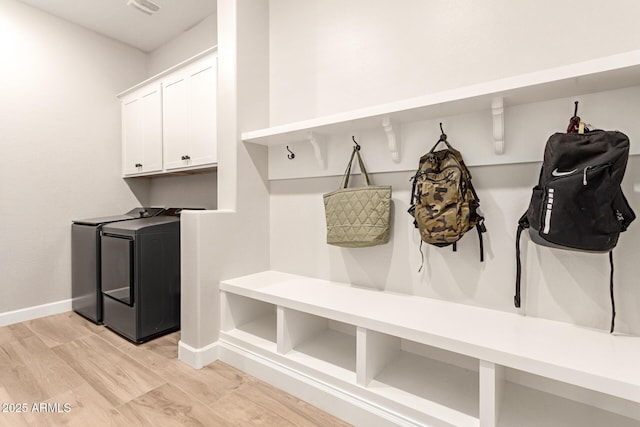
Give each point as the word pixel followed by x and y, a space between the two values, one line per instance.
pixel 291 154
pixel 357 147
pixel 443 136
pixel 575 111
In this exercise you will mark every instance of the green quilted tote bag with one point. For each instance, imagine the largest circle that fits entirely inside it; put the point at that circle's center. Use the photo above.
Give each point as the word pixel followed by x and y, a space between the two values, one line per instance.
pixel 358 217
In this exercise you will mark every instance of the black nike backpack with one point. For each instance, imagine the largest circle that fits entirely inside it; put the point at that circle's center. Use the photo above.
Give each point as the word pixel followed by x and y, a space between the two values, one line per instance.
pixel 578 203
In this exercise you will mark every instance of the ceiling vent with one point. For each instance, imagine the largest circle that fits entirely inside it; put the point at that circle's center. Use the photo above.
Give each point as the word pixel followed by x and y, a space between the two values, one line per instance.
pixel 146 6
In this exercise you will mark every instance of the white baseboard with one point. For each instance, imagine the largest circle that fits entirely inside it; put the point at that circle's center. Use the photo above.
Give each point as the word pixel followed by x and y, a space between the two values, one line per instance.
pixel 336 401
pixel 197 358
pixel 340 403
pixel 35 312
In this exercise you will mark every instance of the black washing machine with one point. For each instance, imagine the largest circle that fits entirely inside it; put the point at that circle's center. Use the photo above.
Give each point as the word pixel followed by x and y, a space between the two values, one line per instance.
pixel 141 276
pixel 86 292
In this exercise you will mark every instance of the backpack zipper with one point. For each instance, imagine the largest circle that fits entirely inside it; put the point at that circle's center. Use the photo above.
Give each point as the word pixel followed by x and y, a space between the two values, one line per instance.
pixel 584 175
pixel 591 167
pixel 424 174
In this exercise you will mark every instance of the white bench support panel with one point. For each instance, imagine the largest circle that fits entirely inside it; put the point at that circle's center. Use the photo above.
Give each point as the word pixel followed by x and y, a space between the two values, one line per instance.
pixel 491 383
pixel 226 319
pixel 374 352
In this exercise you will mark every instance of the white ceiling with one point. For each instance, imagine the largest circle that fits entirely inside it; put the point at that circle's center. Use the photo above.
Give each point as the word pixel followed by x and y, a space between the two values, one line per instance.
pixel 113 18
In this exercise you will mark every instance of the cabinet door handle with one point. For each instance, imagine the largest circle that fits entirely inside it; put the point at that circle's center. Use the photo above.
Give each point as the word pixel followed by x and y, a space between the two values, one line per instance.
pixel 138 165
pixel 186 158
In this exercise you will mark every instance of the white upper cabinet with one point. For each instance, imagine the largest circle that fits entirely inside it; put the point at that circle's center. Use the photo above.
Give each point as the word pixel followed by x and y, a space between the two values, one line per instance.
pixel 169 121
pixel 189 116
pixel 142 131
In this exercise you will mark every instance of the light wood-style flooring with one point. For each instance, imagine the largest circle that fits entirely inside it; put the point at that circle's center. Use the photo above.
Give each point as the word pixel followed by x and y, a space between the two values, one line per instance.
pixel 107 381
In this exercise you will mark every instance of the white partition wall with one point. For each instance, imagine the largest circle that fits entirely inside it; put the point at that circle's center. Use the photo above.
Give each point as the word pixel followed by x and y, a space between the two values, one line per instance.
pixel 234 239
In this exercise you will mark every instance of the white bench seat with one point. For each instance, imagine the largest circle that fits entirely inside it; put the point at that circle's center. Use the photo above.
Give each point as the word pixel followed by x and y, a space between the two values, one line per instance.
pixel 592 359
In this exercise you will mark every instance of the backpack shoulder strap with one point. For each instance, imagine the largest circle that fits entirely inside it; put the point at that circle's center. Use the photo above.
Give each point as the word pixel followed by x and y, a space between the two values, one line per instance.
pixel 480 228
pixel 522 224
pixel 465 169
pixel 516 298
pixel 613 304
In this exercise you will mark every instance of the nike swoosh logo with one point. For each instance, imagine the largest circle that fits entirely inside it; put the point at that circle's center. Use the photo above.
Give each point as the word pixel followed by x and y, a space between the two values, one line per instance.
pixel 556 172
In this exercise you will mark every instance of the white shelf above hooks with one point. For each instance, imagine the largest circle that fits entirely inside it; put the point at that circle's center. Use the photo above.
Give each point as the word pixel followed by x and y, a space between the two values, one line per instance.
pixel 485 102
pixel 608 73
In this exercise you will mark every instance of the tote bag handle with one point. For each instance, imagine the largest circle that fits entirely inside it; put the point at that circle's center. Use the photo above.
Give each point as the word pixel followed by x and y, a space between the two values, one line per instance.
pixel 347 173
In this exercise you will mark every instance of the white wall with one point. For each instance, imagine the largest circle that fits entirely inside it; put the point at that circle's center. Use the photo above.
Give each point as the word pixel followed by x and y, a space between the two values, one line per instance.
pixel 335 55
pixel 187 191
pixel 60 139
pixel 193 41
pixel 329 56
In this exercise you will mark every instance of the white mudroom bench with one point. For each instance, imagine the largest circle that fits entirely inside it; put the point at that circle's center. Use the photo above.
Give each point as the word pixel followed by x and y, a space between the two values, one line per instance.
pixel 424 361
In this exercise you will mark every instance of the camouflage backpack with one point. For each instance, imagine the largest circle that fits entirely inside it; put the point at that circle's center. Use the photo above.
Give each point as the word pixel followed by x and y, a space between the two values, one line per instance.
pixel 443 202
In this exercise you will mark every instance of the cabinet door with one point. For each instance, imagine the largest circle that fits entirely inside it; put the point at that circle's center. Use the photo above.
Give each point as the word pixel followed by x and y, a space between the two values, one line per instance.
pixel 132 144
pixel 175 121
pixel 142 131
pixel 203 112
pixel 189 116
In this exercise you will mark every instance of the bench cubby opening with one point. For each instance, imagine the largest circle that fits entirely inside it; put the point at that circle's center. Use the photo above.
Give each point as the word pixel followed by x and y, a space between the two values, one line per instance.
pixel 326 345
pixel 249 320
pixel 425 379
pixel 530 400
